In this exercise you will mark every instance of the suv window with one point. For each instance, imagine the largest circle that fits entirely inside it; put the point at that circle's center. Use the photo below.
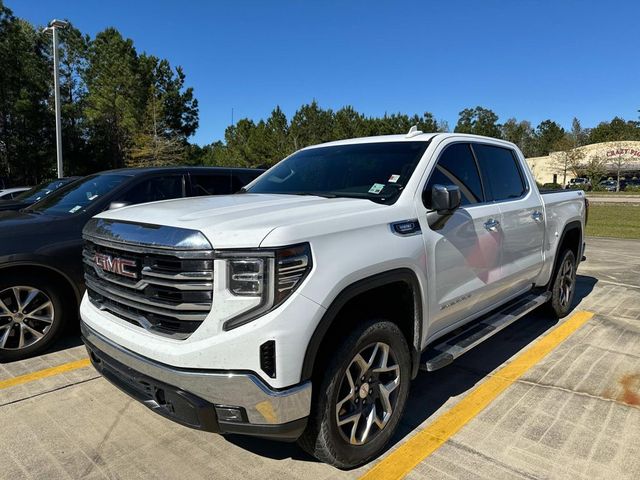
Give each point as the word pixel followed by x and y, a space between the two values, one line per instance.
pixel 456 166
pixel 154 189
pixel 500 172
pixel 212 184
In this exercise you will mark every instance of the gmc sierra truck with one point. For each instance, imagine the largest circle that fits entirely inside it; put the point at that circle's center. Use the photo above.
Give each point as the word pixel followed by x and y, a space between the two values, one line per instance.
pixel 302 307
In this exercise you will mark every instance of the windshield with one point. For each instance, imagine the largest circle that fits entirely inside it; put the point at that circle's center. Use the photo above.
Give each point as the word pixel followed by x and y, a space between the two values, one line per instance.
pixel 78 196
pixel 40 191
pixel 375 171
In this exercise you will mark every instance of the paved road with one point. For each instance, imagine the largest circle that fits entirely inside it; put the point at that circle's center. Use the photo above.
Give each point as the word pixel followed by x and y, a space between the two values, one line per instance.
pixel 574 414
pixel 630 199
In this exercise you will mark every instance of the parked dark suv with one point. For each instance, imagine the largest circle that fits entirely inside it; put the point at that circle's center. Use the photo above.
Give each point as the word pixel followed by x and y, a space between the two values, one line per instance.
pixel 35 194
pixel 41 271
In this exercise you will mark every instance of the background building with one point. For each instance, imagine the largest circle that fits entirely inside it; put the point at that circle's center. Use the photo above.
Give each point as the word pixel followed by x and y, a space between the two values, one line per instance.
pixel 598 159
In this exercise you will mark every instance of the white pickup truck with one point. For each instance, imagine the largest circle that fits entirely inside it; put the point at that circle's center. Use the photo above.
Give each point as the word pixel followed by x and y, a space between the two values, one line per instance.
pixel 302 308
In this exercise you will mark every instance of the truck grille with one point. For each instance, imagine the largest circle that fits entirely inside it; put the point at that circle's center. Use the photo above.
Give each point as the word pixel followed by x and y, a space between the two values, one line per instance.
pixel 165 291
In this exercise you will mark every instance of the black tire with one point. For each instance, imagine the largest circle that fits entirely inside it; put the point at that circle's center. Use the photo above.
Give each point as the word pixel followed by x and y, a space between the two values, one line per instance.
pixel 563 285
pixel 58 312
pixel 323 438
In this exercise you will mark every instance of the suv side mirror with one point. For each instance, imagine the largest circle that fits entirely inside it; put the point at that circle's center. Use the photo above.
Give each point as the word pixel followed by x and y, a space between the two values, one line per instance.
pixel 114 205
pixel 444 199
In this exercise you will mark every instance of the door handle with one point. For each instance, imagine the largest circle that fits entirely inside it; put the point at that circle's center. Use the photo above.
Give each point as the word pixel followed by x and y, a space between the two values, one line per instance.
pixel 537 215
pixel 491 225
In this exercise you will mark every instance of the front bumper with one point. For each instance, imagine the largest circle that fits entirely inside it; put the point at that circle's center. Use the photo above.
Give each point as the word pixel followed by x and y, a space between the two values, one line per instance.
pixel 195 398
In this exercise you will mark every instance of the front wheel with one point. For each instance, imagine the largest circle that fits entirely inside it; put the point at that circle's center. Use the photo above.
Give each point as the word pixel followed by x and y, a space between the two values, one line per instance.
pixel 31 316
pixel 563 287
pixel 361 398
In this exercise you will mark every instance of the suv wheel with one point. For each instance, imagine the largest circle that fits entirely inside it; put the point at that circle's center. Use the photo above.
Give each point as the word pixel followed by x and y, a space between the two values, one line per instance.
pixel 30 317
pixel 563 287
pixel 360 400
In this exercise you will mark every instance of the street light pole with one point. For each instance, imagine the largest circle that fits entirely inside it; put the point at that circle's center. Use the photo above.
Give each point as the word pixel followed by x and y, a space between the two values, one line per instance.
pixel 54 25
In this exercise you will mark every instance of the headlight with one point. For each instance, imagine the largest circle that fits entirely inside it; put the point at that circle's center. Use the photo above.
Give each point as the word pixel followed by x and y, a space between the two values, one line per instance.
pixel 264 279
pixel 246 276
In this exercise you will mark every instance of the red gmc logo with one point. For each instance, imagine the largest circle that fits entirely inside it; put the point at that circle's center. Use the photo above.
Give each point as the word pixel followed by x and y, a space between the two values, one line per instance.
pixel 115 265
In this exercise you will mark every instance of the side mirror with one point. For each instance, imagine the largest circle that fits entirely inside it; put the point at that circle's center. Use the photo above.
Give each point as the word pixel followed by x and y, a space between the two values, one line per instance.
pixel 444 199
pixel 114 205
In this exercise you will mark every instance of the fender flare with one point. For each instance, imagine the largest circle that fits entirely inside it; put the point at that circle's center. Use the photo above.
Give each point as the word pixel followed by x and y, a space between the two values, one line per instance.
pixel 404 275
pixel 570 226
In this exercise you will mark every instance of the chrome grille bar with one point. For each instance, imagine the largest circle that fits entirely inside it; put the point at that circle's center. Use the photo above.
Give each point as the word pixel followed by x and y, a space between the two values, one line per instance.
pixel 167 291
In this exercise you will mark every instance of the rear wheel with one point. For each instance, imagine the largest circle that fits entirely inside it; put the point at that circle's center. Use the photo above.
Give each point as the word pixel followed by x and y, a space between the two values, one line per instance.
pixel 361 397
pixel 563 287
pixel 31 316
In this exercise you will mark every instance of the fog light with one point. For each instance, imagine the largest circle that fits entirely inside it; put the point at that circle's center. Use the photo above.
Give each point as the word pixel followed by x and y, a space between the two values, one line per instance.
pixel 230 414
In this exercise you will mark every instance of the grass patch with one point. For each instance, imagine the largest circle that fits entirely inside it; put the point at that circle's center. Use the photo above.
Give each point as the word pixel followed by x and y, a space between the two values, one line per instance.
pixel 620 221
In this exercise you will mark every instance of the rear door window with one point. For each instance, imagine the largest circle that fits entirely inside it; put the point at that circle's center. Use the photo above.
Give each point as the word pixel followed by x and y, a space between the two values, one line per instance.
pixel 500 171
pixel 456 166
pixel 211 184
pixel 240 179
pixel 154 189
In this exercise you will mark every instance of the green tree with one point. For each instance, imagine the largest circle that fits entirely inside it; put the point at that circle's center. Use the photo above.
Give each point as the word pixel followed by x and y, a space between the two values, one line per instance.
pixel 568 157
pixel 169 118
pixel 547 134
pixel 614 131
pixel 27 152
pixel 311 125
pixel 427 123
pixel 579 135
pixel 154 144
pixel 277 136
pixel 115 99
pixel 520 133
pixel 478 121
pixel 347 123
pixel 73 48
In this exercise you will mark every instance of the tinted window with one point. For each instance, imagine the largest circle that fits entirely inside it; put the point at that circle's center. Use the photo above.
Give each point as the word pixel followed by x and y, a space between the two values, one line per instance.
pixel 456 166
pixel 242 178
pixel 375 171
pixel 216 184
pixel 39 192
pixel 78 196
pixel 155 189
pixel 500 172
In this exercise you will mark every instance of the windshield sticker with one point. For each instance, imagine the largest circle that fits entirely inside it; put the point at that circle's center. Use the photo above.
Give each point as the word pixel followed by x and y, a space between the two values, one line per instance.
pixel 376 188
pixel 394 178
pixel 75 209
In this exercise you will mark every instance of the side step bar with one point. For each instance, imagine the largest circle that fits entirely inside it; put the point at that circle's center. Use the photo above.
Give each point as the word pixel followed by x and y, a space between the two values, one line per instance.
pixel 442 354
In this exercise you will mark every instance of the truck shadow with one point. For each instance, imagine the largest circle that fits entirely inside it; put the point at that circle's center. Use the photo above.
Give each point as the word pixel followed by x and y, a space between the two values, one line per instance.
pixel 431 391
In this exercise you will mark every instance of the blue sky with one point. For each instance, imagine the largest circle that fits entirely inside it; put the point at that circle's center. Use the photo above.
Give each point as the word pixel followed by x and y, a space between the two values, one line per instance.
pixel 526 59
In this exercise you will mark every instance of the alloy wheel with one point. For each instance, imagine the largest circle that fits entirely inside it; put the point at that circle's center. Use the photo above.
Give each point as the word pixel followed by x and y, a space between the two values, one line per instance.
pixel 26 315
pixel 567 282
pixel 368 394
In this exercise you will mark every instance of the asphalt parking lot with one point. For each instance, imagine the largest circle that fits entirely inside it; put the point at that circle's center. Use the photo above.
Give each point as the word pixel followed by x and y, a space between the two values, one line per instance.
pixel 542 399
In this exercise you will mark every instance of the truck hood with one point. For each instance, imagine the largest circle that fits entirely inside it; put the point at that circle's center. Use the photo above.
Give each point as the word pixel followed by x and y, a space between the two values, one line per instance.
pixel 242 220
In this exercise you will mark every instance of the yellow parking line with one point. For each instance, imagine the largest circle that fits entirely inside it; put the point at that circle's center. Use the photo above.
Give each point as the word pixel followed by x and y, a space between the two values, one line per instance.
pixel 409 454
pixel 47 372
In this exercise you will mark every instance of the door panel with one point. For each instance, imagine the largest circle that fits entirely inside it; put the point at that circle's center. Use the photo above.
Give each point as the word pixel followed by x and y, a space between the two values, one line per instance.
pixel 464 265
pixel 463 254
pixel 522 225
pixel 523 232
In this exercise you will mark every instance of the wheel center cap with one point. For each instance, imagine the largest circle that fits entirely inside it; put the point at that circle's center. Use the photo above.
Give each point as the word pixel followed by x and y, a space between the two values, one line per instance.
pixel 18 317
pixel 364 390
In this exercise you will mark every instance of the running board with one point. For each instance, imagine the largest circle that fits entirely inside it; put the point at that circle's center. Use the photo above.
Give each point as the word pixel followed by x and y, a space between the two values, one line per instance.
pixel 477 332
